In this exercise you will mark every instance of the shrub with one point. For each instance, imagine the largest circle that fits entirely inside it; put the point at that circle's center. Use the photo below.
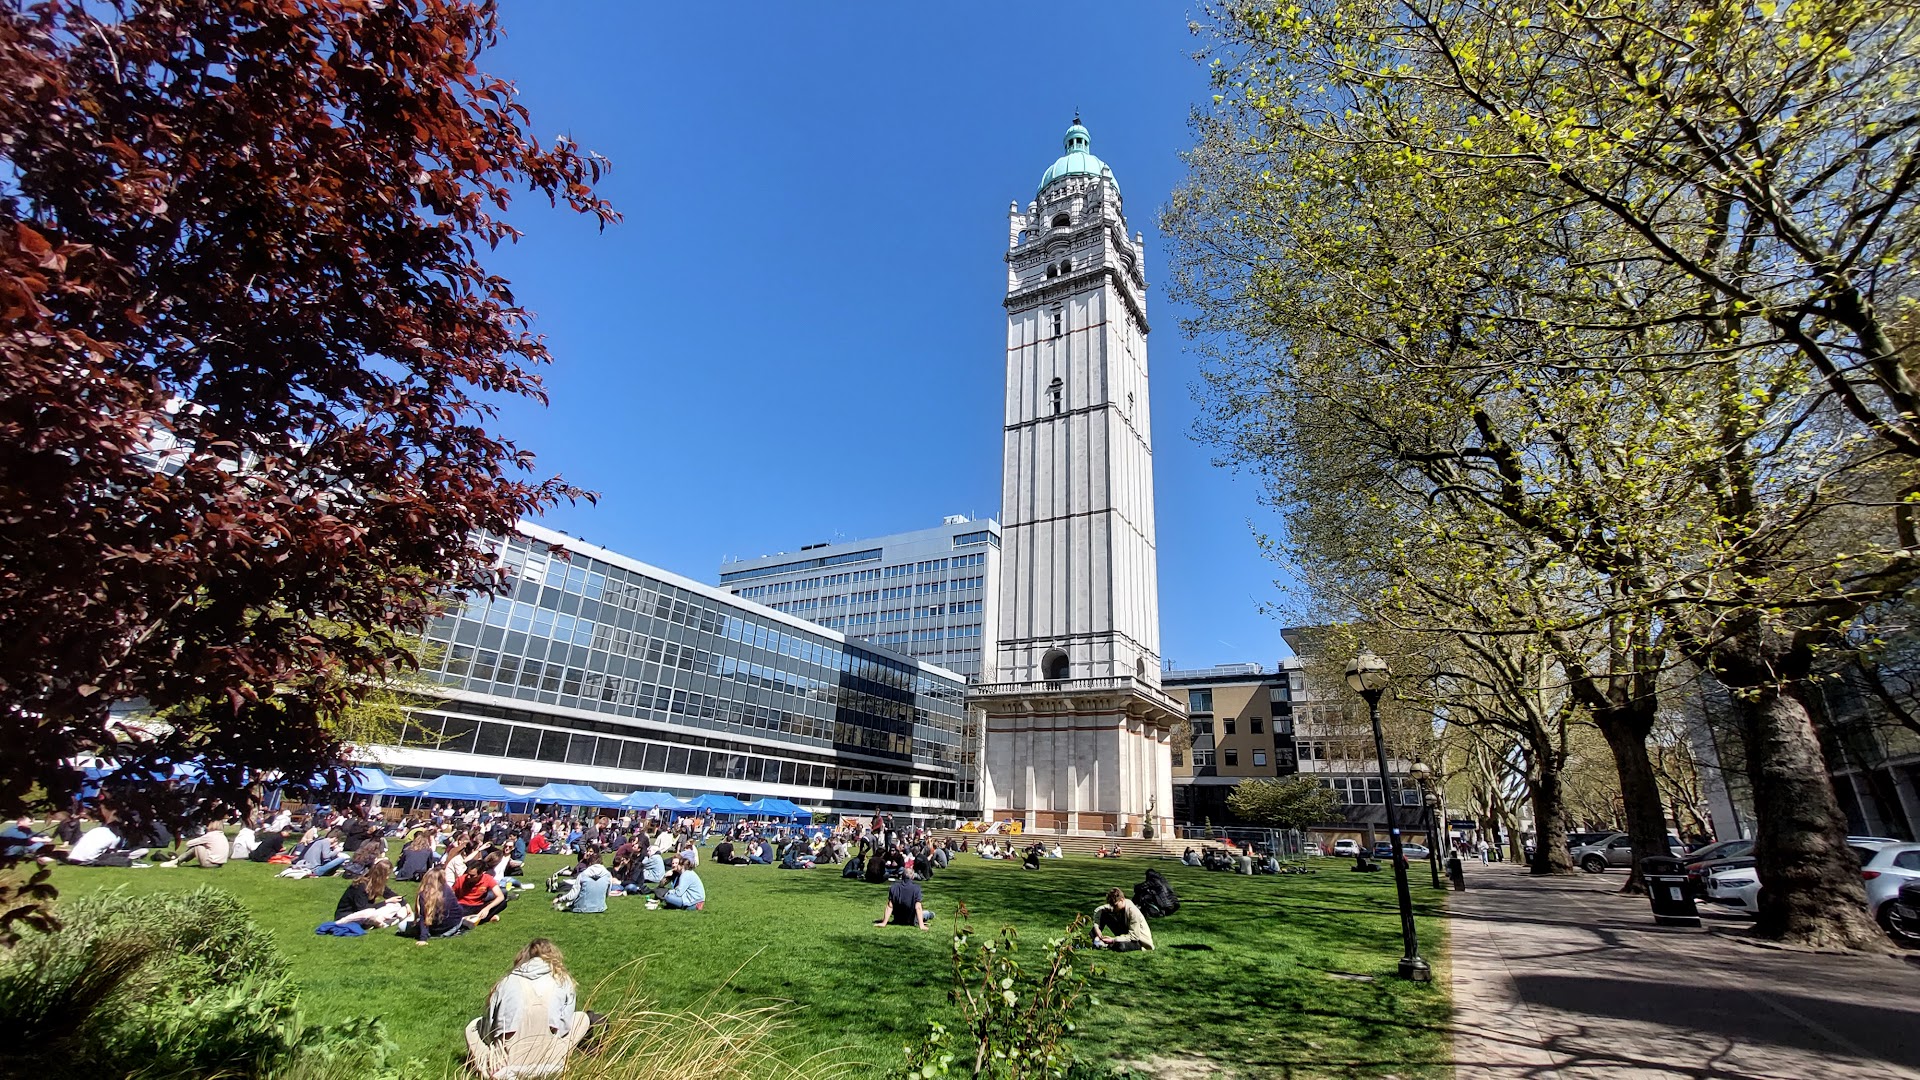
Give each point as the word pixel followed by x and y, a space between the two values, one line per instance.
pixel 1012 1021
pixel 167 985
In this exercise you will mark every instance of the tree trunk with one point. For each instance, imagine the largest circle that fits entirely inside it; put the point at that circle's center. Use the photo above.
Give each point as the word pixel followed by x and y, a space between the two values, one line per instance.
pixel 1810 891
pixel 1550 854
pixel 1625 729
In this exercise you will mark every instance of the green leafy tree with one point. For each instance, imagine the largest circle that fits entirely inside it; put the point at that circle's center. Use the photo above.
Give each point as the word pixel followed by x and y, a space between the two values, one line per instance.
pixel 1515 268
pixel 1293 802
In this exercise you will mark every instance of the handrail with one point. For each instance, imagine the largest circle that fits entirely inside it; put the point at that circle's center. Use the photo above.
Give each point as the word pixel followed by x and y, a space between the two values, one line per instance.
pixel 1111 682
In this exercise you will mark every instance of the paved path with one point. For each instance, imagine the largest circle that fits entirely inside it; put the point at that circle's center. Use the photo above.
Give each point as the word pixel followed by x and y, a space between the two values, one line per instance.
pixel 1564 979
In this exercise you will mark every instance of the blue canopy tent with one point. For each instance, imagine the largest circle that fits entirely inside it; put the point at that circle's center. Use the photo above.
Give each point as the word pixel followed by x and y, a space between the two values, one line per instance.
pixel 776 808
pixel 367 780
pixel 653 800
pixel 467 789
pixel 568 795
pixel 717 804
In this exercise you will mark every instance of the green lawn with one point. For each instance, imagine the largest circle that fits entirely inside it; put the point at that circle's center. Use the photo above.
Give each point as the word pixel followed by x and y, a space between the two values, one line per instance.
pixel 1254 974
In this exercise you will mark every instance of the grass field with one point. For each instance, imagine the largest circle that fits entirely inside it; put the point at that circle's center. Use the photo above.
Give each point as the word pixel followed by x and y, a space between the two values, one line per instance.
pixel 1255 975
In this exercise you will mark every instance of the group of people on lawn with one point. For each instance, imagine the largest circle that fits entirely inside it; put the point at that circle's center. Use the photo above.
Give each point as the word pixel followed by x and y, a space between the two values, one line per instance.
pixel 467 867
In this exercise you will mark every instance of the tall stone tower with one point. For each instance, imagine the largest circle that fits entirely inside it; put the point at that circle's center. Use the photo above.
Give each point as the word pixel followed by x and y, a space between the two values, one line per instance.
pixel 1076 725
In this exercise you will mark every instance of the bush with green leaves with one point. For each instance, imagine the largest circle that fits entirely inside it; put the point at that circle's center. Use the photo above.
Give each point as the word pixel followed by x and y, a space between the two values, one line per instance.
pixel 1012 1021
pixel 168 985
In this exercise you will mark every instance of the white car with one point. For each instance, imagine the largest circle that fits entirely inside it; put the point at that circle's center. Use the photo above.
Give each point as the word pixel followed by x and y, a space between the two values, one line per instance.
pixel 1737 887
pixel 1311 850
pixel 1347 848
pixel 1884 867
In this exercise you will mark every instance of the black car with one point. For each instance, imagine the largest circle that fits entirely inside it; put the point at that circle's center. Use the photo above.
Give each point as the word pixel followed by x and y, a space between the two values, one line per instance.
pixel 1903 915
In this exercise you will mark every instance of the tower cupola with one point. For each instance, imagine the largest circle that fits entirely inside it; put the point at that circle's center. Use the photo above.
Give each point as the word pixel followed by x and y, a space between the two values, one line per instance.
pixel 1078 160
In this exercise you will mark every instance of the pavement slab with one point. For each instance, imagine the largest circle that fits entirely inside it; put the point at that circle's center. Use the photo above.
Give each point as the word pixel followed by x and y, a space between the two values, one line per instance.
pixel 1564 978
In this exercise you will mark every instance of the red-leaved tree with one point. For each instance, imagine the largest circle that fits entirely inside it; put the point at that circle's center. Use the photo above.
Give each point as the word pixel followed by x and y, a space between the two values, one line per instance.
pixel 247 344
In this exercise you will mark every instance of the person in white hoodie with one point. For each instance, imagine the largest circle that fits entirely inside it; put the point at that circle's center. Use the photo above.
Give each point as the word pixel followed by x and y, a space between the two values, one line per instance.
pixel 531 1024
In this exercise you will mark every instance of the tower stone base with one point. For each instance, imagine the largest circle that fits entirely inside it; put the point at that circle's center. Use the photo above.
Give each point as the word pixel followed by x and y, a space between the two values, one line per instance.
pixel 1077 755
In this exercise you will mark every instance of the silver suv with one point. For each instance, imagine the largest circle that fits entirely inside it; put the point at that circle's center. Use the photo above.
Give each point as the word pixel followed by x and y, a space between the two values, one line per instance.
pixel 1612 850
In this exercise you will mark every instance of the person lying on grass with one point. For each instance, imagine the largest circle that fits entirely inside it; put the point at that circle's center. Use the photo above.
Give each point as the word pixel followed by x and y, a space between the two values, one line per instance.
pixel 904 906
pixel 478 893
pixel 531 1024
pixel 1119 925
pixel 368 901
pixel 682 888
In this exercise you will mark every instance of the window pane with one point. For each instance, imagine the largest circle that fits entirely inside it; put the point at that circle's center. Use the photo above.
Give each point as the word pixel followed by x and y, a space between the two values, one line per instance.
pixel 492 740
pixel 524 743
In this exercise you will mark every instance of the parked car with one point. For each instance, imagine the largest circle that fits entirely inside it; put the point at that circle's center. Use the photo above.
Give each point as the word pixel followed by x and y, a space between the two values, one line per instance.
pixel 1383 849
pixel 1727 854
pixel 1886 866
pixel 1736 887
pixel 1884 869
pixel 1347 848
pixel 1311 850
pixel 1416 851
pixel 1903 915
pixel 1616 849
pixel 1582 839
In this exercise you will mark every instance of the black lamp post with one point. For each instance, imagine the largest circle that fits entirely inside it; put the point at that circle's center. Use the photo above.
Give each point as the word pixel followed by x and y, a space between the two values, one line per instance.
pixel 1423 775
pixel 1367 675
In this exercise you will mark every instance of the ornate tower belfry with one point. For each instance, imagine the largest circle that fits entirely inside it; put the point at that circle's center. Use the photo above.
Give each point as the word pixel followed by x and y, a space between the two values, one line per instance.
pixel 1076 724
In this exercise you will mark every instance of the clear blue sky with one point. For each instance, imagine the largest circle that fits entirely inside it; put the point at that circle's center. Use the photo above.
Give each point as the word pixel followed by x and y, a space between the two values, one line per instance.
pixel 796 335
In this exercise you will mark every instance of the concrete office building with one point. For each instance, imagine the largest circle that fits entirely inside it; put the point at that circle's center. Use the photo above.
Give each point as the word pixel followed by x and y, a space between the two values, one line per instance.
pixel 931 594
pixel 1240 719
pixel 1076 724
pixel 598 669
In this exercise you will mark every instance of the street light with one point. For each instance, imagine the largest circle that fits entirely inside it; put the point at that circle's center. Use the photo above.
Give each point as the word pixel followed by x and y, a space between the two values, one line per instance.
pixel 1367 675
pixel 1422 774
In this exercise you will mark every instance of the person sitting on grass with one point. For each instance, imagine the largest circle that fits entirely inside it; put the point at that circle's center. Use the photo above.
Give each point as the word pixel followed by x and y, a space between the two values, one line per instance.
pixel 682 889
pixel 1154 897
pixel 244 841
pixel 588 894
pixel 415 856
pixel 436 912
pixel 368 901
pixel 1120 926
pixel 1190 857
pixel 323 856
pixel 209 850
pixel 1034 854
pixel 904 906
pixel 99 846
pixel 19 841
pixel 479 894
pixel 364 856
pixel 531 1024
pixel 723 854
pixel 272 843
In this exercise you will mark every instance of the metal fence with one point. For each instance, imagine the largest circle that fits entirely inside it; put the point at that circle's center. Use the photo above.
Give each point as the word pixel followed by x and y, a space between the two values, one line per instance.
pixel 1285 843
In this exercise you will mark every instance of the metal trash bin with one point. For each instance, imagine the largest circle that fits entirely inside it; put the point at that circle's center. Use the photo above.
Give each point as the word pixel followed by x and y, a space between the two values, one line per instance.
pixel 1666 879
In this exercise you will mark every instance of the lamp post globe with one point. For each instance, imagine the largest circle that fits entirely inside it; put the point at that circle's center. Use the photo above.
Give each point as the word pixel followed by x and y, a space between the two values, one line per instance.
pixel 1367 676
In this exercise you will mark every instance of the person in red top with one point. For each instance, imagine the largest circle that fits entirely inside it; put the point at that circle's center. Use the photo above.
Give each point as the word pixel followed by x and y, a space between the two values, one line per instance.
pixel 538 845
pixel 478 894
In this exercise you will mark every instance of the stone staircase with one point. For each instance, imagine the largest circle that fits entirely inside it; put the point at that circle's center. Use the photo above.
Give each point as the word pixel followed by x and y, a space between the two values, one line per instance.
pixel 1080 845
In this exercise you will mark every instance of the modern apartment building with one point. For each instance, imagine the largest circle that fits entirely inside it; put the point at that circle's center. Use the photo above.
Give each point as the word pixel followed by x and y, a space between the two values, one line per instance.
pixel 1249 722
pixel 598 669
pixel 1241 719
pixel 931 594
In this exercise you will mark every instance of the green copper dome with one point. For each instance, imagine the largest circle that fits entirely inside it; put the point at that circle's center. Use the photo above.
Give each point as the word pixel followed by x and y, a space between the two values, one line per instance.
pixel 1077 161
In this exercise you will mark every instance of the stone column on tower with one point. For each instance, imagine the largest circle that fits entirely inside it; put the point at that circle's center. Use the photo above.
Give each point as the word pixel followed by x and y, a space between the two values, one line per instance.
pixel 1076 723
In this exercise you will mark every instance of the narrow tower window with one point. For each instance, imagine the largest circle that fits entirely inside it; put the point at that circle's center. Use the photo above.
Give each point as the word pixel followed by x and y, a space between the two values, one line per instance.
pixel 1056 322
pixel 1066 266
pixel 1053 393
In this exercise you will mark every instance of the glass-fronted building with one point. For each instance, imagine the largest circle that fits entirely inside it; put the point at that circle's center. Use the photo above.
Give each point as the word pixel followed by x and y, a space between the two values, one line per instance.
pixel 594 668
pixel 930 594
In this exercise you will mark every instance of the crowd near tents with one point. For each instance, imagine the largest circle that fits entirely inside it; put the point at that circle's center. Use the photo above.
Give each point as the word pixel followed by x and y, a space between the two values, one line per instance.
pixel 368 780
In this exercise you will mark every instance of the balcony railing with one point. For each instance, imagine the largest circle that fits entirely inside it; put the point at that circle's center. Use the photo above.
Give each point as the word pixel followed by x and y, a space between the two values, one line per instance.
pixel 1105 684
